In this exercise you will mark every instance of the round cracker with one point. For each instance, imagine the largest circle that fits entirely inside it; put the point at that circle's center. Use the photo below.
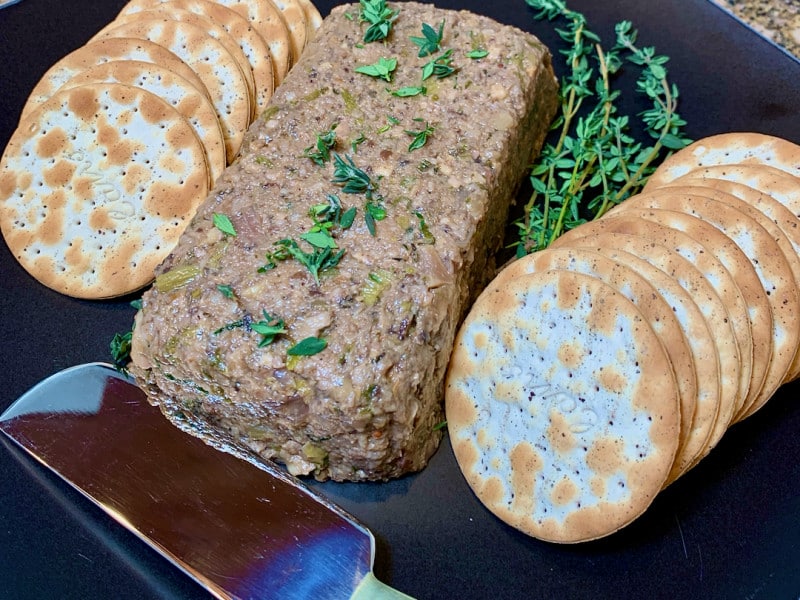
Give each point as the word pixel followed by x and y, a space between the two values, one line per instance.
pixel 296 22
pixel 255 49
pixel 769 262
pixel 698 239
pixel 638 290
pixel 700 312
pixel 192 104
pixel 102 51
pixel 774 211
pixel 96 185
pixel 313 18
pixel 729 149
pixel 561 405
pixel 172 13
pixel 734 356
pixel 780 185
pixel 269 22
pixel 211 61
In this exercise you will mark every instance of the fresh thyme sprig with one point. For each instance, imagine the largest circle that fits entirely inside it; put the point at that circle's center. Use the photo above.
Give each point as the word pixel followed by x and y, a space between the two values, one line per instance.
pixel 593 161
pixel 327 216
pixel 430 41
pixel 380 18
pixel 356 181
pixel 441 66
pixel 316 261
pixel 320 152
pixel 420 137
pixel 381 69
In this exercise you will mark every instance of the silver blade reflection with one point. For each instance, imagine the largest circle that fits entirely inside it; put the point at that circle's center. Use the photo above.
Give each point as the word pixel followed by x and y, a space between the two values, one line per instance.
pixel 240 530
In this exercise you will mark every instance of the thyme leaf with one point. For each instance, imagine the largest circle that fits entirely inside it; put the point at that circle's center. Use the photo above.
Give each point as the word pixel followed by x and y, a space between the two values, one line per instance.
pixel 320 152
pixel 406 92
pixel 477 53
pixel 270 328
pixel 420 137
pixel 317 261
pixel 353 179
pixel 430 41
pixel 225 290
pixel 223 223
pixel 308 347
pixel 440 67
pixel 382 69
pixel 380 18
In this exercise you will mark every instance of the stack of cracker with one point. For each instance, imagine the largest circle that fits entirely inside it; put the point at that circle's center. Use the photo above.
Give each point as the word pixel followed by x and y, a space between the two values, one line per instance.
pixel 590 375
pixel 123 138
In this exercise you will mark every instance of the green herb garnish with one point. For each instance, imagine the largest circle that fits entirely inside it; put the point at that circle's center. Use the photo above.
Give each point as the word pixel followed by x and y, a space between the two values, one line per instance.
pixel 440 67
pixel 225 290
pixel 430 41
pixel 382 69
pixel 423 228
pixel 320 153
pixel 120 345
pixel 477 53
pixel 420 137
pixel 380 18
pixel 223 223
pixel 317 261
pixel 331 214
pixel 373 212
pixel 405 92
pixel 270 328
pixel 390 122
pixel 308 347
pixel 319 239
pixel 230 326
pixel 594 163
pixel 354 180
pixel 357 142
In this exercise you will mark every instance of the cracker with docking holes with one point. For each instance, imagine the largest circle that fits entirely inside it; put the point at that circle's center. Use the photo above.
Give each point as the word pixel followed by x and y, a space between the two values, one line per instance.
pixel 102 51
pixel 780 185
pixel 219 70
pixel 192 104
pixel 202 23
pixel 253 46
pixel 96 185
pixel 732 352
pixel 268 21
pixel 296 22
pixel 776 213
pixel 700 312
pixel 643 293
pixel 732 148
pixel 562 406
pixel 768 262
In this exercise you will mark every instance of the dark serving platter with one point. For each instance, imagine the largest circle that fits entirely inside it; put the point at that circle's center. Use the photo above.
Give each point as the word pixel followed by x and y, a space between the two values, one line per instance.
pixel 728 529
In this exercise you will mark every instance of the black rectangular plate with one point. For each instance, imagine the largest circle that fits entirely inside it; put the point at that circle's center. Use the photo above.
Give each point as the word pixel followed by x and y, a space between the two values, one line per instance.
pixel 728 529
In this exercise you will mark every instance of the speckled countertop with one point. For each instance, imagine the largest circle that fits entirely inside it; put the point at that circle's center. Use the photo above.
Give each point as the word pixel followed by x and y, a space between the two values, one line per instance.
pixel 779 20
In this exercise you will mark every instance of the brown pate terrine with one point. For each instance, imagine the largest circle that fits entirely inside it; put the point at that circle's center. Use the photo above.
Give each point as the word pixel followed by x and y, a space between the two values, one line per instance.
pixel 216 342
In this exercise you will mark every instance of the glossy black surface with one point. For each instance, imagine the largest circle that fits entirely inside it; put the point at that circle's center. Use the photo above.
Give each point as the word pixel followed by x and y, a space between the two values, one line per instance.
pixel 728 529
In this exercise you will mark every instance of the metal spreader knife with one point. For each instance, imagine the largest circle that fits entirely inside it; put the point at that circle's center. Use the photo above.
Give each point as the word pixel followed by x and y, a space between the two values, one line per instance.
pixel 241 528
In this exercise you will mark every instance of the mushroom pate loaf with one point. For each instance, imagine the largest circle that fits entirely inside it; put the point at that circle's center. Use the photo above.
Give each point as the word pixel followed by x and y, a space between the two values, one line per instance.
pixel 309 310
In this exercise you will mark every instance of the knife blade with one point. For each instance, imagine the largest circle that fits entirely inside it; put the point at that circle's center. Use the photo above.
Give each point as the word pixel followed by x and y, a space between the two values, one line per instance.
pixel 240 527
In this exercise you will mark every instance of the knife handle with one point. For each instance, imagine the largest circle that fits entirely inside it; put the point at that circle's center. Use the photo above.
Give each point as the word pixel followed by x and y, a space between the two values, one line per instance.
pixel 371 588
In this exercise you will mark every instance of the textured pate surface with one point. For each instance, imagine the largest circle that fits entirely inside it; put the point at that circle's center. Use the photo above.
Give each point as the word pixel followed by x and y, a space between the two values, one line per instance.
pixel 368 405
